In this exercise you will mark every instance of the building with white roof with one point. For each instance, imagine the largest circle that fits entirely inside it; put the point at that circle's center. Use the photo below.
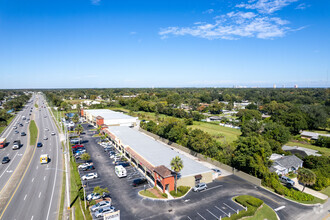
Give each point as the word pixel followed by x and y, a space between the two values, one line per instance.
pixel 153 158
pixel 106 117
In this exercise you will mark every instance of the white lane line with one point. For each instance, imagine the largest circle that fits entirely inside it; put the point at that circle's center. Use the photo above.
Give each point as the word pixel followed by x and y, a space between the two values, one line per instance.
pixel 212 214
pixel 32 217
pixel 8 166
pixel 44 178
pixel 211 188
pixel 32 179
pixel 37 167
pixel 39 194
pixel 25 196
pixel 201 216
pixel 279 208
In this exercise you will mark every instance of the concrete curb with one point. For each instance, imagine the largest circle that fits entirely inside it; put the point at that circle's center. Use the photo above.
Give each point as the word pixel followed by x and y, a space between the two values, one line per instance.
pixel 9 190
pixel 290 199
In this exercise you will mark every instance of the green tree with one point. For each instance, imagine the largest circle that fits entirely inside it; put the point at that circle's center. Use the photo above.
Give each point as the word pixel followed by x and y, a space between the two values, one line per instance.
pixel 99 190
pixel 176 166
pixel 75 118
pixel 276 132
pixel 79 129
pixel 306 177
pixel 85 157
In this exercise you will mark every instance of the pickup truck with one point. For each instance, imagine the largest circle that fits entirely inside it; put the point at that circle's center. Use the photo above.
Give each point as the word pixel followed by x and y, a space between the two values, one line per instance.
pixel 16 145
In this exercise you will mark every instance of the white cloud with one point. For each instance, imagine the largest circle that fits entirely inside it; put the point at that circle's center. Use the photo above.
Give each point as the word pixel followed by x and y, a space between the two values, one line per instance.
pixel 208 11
pixel 232 26
pixel 95 2
pixel 133 33
pixel 302 6
pixel 266 6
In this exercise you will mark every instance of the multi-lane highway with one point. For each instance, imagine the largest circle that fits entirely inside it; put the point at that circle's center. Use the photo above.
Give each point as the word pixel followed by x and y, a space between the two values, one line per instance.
pixel 38 194
pixel 15 156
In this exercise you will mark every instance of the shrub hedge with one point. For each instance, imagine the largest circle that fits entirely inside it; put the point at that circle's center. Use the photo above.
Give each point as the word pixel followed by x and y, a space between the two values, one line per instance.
pixel 182 190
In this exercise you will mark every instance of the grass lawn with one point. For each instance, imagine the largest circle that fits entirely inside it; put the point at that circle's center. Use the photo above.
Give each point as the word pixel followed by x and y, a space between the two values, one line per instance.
pixel 264 213
pixel 320 131
pixel 323 150
pixel 33 132
pixel 326 191
pixel 147 193
pixel 221 134
pixel 8 122
pixel 36 105
pixel 151 116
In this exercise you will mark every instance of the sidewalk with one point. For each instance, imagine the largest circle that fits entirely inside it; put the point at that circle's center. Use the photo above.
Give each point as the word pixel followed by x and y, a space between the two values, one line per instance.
pixel 308 190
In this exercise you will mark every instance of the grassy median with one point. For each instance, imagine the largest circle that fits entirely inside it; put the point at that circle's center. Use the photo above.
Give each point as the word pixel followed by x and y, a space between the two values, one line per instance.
pixel 33 132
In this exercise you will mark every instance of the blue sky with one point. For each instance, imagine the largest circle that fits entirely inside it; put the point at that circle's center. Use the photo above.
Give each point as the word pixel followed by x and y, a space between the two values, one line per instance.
pixel 164 43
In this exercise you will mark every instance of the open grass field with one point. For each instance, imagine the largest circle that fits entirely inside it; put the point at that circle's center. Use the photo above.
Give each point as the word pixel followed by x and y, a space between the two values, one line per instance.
pixel 221 134
pixel 323 150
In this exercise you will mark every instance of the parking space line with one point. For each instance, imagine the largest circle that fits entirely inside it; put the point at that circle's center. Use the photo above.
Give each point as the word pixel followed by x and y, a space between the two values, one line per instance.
pixel 221 210
pixel 189 217
pixel 212 214
pixel 231 208
pixel 201 216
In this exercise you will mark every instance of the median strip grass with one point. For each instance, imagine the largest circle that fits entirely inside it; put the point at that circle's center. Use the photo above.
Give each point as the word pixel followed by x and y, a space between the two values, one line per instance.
pixel 33 132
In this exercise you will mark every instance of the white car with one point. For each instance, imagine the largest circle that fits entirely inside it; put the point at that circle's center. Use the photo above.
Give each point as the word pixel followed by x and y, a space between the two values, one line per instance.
pixel 81 166
pixel 105 210
pixel 200 187
pixel 100 205
pixel 93 196
pixel 89 176
pixel 53 133
pixel 46 129
pixel 45 138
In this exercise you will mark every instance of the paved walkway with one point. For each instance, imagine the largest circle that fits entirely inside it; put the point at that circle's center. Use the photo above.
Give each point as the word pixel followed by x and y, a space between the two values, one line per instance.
pixel 308 190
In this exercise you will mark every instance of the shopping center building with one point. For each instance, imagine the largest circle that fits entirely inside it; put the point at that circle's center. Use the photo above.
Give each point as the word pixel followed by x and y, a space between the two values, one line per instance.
pixel 153 158
pixel 106 118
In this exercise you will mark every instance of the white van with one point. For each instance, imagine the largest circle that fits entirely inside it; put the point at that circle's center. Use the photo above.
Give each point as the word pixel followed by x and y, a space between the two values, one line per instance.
pixel 120 171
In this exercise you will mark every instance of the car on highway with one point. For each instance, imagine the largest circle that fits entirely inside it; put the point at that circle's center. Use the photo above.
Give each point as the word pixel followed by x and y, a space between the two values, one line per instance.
pixel 89 176
pixel 53 133
pixel 139 181
pixel 81 166
pixel 27 122
pixel 15 127
pixel 105 210
pixel 45 116
pixel 100 205
pixel 91 167
pixel 93 196
pixel 16 145
pixel 16 132
pixel 45 138
pixel 5 160
pixel 200 187
pixel 39 144
pixel 23 134
pixel 21 124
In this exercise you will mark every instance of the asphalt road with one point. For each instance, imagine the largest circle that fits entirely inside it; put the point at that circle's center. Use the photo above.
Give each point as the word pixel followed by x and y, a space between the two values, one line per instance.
pixel 212 203
pixel 37 197
pixel 6 170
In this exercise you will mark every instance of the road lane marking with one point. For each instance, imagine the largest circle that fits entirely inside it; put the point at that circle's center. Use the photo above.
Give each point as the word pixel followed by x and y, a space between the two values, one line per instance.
pixel 212 214
pixel 7 168
pixel 39 194
pixel 32 217
pixel 37 167
pixel 279 208
pixel 189 218
pixel 44 178
pixel 201 216
pixel 25 196
pixel 32 180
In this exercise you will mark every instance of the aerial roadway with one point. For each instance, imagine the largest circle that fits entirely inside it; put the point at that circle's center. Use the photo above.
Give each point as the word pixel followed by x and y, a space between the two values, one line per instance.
pixel 38 194
pixel 12 133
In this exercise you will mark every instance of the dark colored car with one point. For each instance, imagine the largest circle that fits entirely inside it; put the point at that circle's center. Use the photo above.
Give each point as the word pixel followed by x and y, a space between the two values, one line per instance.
pixel 78 150
pixel 21 125
pixel 23 134
pixel 5 160
pixel 139 181
pixel 122 163
pixel 91 167
pixel 39 144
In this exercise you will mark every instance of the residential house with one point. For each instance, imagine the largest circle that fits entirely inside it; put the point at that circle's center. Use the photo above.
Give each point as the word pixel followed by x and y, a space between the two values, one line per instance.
pixel 285 164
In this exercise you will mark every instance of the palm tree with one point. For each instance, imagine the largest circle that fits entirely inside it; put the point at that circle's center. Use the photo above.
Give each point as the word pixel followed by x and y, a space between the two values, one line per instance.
pixel 306 177
pixel 79 129
pixel 176 166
